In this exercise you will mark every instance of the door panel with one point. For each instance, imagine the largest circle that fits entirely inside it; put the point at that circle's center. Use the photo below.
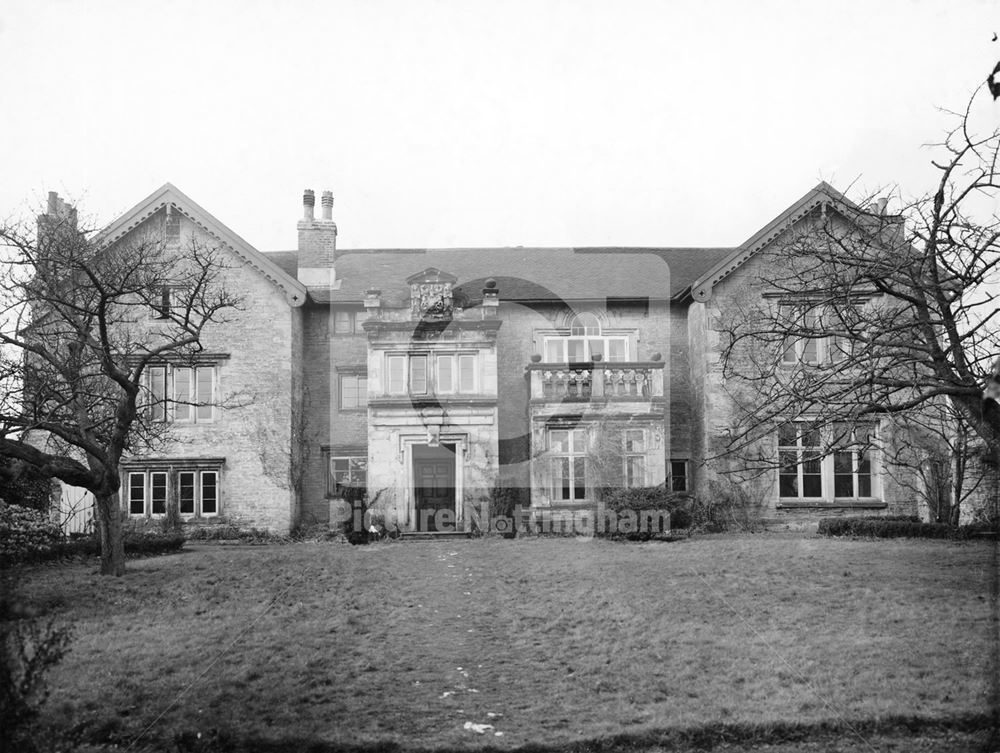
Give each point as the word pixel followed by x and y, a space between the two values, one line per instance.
pixel 434 482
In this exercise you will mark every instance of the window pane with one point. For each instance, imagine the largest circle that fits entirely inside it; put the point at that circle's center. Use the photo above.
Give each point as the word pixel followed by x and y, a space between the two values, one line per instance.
pixel 560 478
pixel 579 437
pixel 843 462
pixel 788 485
pixel 206 392
pixel 185 494
pixel 812 485
pixel 635 472
pixel 362 392
pixel 678 475
pixel 158 493
pixel 617 349
pixel 348 392
pixel 579 478
pixel 555 351
pixel 559 441
pixel 445 381
pixel 397 379
pixel 864 485
pixel 575 350
pixel 342 321
pixel 810 437
pixel 787 435
pixel 843 485
pixel 182 394
pixel 418 375
pixel 810 349
pixel 158 390
pixel 596 345
pixel 137 493
pixel 209 493
pixel 635 440
pixel 467 373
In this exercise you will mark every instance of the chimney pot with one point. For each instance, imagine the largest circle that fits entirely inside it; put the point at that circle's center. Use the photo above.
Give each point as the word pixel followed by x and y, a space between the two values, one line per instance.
pixel 308 202
pixel 327 200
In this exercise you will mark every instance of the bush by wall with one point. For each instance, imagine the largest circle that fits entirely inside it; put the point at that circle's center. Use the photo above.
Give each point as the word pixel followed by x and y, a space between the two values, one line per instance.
pixel 891 528
pixel 678 504
pixel 24 486
pixel 26 533
pixel 28 536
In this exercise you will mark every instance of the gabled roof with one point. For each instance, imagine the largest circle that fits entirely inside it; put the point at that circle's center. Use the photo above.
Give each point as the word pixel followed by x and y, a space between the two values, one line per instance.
pixel 522 274
pixel 294 291
pixel 823 193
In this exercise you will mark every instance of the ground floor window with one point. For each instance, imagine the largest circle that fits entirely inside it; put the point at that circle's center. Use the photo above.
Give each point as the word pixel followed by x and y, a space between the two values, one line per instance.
pixel 347 472
pixel 568 452
pixel 634 454
pixel 841 467
pixel 679 476
pixel 193 491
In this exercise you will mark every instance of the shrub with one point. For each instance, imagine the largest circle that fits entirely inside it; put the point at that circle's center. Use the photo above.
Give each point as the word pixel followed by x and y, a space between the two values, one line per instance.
pixel 229 532
pixel 901 526
pixel 639 499
pixel 24 486
pixel 27 651
pixel 25 533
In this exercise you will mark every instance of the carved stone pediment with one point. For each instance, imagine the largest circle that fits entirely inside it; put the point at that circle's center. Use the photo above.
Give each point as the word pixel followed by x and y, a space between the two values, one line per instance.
pixel 431 294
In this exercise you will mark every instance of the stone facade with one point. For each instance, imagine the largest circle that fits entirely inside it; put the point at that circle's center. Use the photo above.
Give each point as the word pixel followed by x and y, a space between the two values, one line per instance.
pixel 425 380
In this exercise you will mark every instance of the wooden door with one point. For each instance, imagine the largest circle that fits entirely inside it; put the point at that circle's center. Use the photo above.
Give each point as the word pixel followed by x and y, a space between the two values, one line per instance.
pixel 434 482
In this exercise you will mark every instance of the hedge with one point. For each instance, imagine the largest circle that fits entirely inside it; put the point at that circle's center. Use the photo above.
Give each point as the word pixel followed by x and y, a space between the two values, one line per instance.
pixel 27 535
pixel 892 528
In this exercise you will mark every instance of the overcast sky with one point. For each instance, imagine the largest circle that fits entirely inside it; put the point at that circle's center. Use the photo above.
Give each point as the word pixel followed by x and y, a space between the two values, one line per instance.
pixel 457 123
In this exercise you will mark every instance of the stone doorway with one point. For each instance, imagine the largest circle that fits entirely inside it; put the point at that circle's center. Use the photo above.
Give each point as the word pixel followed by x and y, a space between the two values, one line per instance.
pixel 434 488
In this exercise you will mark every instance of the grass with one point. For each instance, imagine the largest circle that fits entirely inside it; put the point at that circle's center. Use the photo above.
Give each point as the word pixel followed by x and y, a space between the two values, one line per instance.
pixel 551 641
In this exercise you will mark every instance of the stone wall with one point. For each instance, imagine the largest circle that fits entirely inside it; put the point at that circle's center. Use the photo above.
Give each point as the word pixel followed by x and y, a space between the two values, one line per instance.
pixel 257 384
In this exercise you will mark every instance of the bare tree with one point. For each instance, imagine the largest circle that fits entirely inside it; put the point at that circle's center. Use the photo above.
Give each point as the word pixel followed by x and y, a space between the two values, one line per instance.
pixel 867 314
pixel 76 342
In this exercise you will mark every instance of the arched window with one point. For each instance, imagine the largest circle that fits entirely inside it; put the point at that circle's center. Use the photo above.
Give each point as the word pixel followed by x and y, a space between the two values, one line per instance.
pixel 584 324
pixel 585 342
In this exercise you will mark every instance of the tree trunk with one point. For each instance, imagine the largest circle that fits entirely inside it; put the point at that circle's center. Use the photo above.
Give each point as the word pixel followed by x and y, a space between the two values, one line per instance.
pixel 109 525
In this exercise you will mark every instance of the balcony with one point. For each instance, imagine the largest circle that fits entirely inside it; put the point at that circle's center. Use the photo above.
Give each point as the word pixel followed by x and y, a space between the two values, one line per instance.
pixel 596 381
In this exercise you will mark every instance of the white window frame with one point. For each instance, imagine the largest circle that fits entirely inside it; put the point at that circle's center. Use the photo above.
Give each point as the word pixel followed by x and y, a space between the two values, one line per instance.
pixel 630 455
pixel 356 470
pixel 360 391
pixel 577 445
pixel 194 409
pixel 826 457
pixel 171 484
pixel 408 381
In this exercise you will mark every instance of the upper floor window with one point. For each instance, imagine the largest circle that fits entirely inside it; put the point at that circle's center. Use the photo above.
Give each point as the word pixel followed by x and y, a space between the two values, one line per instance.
pixel 353 391
pixel 820 334
pixel 584 341
pixel 185 394
pixel 172 227
pixel 431 373
pixel 167 301
pixel 346 322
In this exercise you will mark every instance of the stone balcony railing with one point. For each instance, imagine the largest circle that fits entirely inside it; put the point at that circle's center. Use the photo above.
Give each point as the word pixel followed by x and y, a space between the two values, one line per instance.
pixel 623 380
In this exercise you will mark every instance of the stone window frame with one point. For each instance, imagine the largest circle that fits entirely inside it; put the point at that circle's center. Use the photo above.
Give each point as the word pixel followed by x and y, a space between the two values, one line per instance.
pixel 630 455
pixel 822 454
pixel 353 322
pixel 573 455
pixel 169 473
pixel 684 477
pixel 352 372
pixel 160 379
pixel 409 381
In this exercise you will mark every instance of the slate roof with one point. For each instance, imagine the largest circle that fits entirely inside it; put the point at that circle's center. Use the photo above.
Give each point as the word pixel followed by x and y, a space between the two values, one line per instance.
pixel 521 273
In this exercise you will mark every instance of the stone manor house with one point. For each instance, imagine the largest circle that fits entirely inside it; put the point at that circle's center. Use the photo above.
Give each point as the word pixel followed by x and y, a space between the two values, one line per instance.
pixel 428 378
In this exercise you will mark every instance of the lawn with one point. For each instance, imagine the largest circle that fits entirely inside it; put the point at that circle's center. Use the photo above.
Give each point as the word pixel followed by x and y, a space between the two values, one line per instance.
pixel 548 640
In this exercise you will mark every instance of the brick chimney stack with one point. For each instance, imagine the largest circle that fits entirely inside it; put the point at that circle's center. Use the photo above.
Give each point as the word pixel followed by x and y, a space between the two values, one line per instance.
pixel 59 218
pixel 317 242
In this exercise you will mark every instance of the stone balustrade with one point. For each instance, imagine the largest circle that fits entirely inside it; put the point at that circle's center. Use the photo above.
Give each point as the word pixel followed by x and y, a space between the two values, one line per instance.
pixel 638 380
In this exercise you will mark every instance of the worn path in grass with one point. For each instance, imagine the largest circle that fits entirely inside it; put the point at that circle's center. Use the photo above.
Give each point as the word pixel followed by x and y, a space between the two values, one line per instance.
pixel 549 641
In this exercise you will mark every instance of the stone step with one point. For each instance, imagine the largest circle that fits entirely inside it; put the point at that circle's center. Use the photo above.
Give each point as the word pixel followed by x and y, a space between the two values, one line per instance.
pixel 433 535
